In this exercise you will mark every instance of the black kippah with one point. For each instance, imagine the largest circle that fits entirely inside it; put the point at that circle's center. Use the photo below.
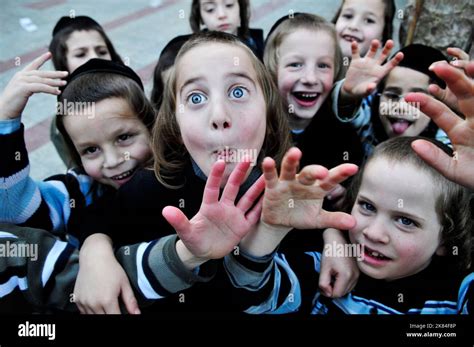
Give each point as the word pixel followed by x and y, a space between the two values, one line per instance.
pixel 281 20
pixel 420 57
pixel 78 22
pixel 101 65
pixel 175 44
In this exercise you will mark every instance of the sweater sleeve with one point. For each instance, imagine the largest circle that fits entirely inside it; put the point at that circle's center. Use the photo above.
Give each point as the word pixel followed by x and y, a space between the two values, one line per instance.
pixel 37 267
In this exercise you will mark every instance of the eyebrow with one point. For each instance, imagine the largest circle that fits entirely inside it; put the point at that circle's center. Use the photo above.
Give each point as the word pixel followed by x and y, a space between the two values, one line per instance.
pixel 232 74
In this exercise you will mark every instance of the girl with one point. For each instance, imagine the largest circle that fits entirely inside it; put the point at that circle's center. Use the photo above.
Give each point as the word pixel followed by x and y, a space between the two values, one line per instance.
pixel 212 109
pixel 230 16
pixel 414 233
pixel 385 114
pixel 75 41
pixel 363 22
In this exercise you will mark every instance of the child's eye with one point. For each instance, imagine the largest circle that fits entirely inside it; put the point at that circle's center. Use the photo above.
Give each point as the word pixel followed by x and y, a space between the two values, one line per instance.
pixel 324 66
pixel 295 65
pixel 367 207
pixel 237 92
pixel 80 55
pixel 347 16
pixel 90 150
pixel 104 52
pixel 369 21
pixel 407 222
pixel 124 137
pixel 196 98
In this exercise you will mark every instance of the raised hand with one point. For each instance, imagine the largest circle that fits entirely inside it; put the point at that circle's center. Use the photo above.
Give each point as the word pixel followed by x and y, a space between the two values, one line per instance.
pixel 364 74
pixel 220 224
pixel 295 200
pixel 460 167
pixel 25 83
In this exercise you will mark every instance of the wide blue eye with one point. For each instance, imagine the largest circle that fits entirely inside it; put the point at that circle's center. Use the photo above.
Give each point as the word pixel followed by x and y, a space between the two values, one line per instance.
pixel 406 221
pixel 237 92
pixel 197 98
pixel 368 207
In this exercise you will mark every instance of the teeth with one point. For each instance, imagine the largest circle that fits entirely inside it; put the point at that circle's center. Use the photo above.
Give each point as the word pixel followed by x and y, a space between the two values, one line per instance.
pixel 377 255
pixel 123 175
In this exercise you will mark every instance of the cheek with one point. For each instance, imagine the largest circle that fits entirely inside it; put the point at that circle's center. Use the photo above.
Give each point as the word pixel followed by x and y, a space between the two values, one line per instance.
pixel 327 81
pixel 374 32
pixel 286 81
pixel 92 168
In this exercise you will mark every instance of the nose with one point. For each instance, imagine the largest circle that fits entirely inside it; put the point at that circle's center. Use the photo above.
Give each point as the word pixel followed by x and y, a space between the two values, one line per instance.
pixel 221 12
pixel 376 232
pixel 310 76
pixel 353 24
pixel 220 118
pixel 92 54
pixel 112 158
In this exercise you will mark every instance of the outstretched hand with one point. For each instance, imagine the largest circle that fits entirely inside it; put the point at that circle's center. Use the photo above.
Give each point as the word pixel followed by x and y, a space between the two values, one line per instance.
pixel 365 73
pixel 220 224
pixel 295 200
pixel 27 82
pixel 460 167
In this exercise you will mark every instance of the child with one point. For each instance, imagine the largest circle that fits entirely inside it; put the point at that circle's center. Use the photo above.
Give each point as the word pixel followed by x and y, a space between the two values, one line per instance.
pixel 76 40
pixel 162 68
pixel 385 115
pixel 230 16
pixel 212 109
pixel 363 22
pixel 460 131
pixel 412 237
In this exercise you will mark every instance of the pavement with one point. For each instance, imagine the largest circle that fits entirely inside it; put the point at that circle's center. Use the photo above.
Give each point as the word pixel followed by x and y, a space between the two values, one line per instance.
pixel 139 29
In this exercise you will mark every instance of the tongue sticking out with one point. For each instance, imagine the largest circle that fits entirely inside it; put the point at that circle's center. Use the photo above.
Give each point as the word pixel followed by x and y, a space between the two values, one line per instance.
pixel 400 126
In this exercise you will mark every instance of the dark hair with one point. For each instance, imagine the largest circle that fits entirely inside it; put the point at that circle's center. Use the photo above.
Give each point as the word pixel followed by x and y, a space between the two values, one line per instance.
pixel 195 19
pixel 389 13
pixel 453 204
pixel 166 60
pixel 98 86
pixel 58 46
pixel 170 154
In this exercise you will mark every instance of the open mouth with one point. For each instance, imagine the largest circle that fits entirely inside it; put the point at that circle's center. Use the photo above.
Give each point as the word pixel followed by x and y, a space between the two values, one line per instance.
pixel 399 125
pixel 227 154
pixel 124 175
pixel 368 252
pixel 351 38
pixel 306 99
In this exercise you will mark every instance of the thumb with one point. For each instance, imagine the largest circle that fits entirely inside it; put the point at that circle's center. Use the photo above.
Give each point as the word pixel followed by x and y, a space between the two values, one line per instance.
pixel 178 221
pixel 325 280
pixel 128 298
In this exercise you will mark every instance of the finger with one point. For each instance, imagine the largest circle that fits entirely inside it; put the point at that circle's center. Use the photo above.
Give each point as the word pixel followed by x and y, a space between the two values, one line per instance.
pixel 335 193
pixel 470 69
pixel 112 307
pixel 43 88
pixel 309 174
pixel 458 53
pixel 337 220
pixel 374 46
pixel 47 73
pixel 38 62
pixel 255 213
pixel 251 195
pixel 236 178
pixel 178 221
pixel 339 286
pixel 213 183
pixel 269 173
pixel 436 110
pixel 48 81
pixel 457 81
pixel 355 50
pixel 290 163
pixel 325 281
pixel 435 157
pixel 129 299
pixel 462 64
pixel 387 48
pixel 437 92
pixel 393 62
pixel 337 175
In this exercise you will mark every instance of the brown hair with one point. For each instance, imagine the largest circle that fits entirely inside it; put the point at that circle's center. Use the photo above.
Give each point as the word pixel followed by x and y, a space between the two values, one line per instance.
pixel 170 154
pixel 388 18
pixel 453 205
pixel 288 26
pixel 195 19
pixel 58 46
pixel 95 87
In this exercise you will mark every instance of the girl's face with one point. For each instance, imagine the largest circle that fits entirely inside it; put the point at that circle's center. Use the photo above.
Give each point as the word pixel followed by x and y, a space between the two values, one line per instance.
pixel 220 106
pixel 361 21
pixel 85 45
pixel 397 224
pixel 112 142
pixel 220 15
pixel 305 73
pixel 398 117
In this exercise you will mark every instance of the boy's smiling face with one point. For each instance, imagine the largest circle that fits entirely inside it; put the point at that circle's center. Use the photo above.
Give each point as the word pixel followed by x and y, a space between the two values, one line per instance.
pixel 397 223
pixel 220 106
pixel 398 117
pixel 305 73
